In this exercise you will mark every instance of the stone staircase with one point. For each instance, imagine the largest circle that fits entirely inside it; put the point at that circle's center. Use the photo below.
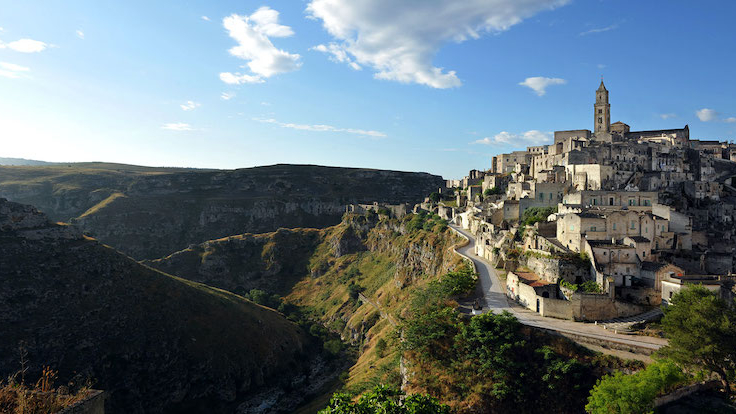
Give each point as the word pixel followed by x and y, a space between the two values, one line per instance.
pixel 624 325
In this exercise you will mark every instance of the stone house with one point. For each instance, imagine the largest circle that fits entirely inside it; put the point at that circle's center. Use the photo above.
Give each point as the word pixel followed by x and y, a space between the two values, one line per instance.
pixel 526 288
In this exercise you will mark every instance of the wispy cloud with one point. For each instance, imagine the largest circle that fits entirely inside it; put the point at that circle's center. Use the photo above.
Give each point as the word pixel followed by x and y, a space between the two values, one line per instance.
pixel 253 33
pixel 205 18
pixel 539 84
pixel 667 116
pixel 533 136
pixel 12 71
pixel 706 114
pixel 177 126
pixel 80 34
pixel 400 39
pixel 730 119
pixel 599 30
pixel 226 96
pixel 322 128
pixel 190 105
pixel 25 46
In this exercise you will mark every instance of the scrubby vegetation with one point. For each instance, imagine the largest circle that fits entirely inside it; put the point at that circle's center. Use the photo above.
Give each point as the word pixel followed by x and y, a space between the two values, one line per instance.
pixel 536 214
pixel 385 399
pixel 425 221
pixel 589 286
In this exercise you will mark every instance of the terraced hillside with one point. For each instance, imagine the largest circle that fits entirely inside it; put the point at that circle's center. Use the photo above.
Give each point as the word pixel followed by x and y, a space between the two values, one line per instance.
pixel 154 342
pixel 151 212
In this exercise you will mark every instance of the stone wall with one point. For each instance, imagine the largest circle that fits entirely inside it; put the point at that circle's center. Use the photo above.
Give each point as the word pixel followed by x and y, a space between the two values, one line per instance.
pixel 556 308
pixel 552 269
pixel 93 404
pixel 598 307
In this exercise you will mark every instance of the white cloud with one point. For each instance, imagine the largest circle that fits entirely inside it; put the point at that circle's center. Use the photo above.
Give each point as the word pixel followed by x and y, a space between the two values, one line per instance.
pixel 322 128
pixel 730 120
pixel 177 126
pixel 337 54
pixel 667 116
pixel 12 71
pixel 533 137
pixel 264 103
pixel 252 34
pixel 539 84
pixel 80 34
pixel 205 18
pixel 25 45
pixel 399 39
pixel 226 96
pixel 599 30
pixel 706 114
pixel 601 66
pixel 190 105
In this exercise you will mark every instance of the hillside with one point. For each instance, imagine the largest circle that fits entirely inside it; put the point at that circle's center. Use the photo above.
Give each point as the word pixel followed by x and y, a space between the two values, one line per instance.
pixel 323 271
pixel 152 212
pixel 154 342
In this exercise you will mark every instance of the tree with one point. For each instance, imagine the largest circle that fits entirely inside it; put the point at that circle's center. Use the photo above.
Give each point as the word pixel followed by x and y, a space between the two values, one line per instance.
pixel 492 191
pixel 701 328
pixel 634 394
pixel 385 400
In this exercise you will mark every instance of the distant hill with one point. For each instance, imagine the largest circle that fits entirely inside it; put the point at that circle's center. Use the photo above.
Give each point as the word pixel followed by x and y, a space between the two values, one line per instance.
pixel 154 342
pixel 151 212
pixel 22 161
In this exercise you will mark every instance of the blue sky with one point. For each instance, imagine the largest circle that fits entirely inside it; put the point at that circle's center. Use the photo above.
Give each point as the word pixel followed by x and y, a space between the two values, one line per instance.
pixel 415 85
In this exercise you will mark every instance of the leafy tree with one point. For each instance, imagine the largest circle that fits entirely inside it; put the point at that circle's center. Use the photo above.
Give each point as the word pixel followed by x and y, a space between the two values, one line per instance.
pixel 385 400
pixel 701 328
pixel 460 282
pixel 434 197
pixel 634 394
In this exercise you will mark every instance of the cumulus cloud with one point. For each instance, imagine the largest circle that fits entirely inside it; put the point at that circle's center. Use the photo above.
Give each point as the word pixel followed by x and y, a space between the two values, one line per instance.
pixel 226 96
pixel 177 126
pixel 190 105
pixel 399 39
pixel 205 18
pixel 25 46
pixel 533 137
pixel 253 33
pixel 80 34
pixel 706 114
pixel 322 128
pixel 599 30
pixel 667 116
pixel 539 84
pixel 730 119
pixel 12 71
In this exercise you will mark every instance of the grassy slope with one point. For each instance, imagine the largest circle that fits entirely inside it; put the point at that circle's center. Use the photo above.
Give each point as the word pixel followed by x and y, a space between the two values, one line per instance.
pixel 152 340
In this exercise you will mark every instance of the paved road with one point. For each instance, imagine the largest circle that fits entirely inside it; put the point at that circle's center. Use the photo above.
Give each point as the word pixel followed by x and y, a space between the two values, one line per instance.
pixel 496 301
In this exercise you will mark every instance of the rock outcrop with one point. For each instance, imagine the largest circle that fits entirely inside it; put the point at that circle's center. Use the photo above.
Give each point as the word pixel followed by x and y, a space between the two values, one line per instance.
pixel 154 342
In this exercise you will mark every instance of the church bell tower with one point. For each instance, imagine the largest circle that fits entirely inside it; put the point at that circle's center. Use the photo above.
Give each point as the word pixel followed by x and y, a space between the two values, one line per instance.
pixel 602 110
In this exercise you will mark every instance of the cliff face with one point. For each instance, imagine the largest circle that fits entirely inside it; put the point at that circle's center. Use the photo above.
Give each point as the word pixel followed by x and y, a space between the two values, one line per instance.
pixel 155 342
pixel 152 213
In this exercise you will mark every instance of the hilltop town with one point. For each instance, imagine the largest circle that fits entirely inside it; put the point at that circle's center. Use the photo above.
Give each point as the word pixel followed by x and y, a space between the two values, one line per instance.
pixel 605 223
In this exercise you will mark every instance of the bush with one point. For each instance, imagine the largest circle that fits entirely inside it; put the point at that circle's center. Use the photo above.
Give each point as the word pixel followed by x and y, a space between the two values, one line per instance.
pixel 381 347
pixel 385 399
pixel 354 290
pixel 333 347
pixel 634 394
pixel 460 282
pixel 492 191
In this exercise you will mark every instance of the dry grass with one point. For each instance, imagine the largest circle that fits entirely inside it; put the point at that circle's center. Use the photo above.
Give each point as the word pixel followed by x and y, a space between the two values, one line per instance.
pixel 41 398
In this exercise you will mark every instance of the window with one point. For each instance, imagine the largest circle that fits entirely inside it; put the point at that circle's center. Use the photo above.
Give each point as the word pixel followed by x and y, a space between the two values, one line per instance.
pixel 600 120
pixel 592 228
pixel 614 226
pixel 663 228
pixel 632 202
pixel 646 202
pixel 541 196
pixel 593 201
pixel 633 224
pixel 600 111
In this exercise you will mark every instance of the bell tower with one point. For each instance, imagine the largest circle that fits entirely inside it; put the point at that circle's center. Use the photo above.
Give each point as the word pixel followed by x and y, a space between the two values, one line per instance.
pixel 602 110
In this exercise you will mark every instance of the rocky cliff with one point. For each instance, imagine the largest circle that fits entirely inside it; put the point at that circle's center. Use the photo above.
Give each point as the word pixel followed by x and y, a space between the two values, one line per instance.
pixel 149 213
pixel 155 342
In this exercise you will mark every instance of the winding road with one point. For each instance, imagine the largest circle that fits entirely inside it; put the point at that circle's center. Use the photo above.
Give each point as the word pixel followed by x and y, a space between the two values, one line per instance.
pixel 586 334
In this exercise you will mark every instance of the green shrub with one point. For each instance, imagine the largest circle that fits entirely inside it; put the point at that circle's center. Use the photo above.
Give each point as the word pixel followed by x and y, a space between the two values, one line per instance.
pixel 381 347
